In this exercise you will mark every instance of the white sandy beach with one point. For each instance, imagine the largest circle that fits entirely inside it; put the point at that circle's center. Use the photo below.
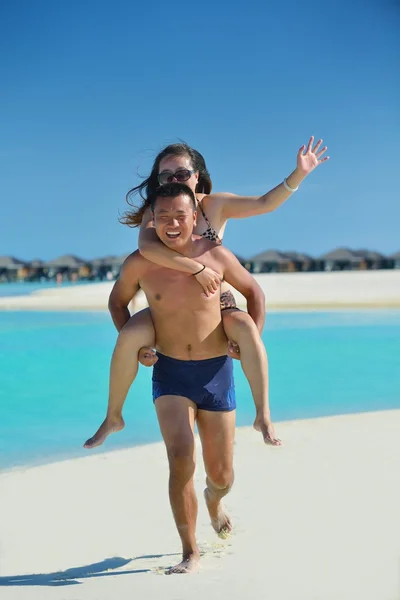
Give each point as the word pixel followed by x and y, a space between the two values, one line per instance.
pixel 317 519
pixel 342 289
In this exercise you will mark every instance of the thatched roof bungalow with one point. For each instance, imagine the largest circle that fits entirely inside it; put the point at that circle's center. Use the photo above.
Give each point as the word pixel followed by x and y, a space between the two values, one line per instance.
pixel 272 261
pixel 106 266
pixel 36 263
pixel 67 261
pixel 304 262
pixel 68 265
pixel 341 259
pixel 11 263
pixel 372 260
pixel 12 268
pixel 346 259
pixel 395 258
pixel 36 269
pixel 104 261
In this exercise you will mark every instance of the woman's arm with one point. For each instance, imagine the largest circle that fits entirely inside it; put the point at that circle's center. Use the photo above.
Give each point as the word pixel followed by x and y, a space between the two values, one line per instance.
pixel 124 289
pixel 239 207
pixel 152 248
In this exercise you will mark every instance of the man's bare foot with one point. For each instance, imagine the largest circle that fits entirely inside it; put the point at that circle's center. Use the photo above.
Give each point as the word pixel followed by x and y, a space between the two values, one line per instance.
pixel 220 519
pixel 108 426
pixel 190 564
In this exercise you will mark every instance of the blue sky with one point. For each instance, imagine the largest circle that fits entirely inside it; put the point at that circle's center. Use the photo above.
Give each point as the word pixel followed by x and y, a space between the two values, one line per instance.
pixel 92 90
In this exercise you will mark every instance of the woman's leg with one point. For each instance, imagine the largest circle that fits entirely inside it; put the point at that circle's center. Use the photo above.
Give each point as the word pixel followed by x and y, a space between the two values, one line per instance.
pixel 136 334
pixel 241 329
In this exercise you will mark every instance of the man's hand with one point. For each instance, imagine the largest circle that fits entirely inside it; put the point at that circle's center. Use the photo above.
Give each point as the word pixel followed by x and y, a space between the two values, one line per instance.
pixel 233 350
pixel 147 357
pixel 264 425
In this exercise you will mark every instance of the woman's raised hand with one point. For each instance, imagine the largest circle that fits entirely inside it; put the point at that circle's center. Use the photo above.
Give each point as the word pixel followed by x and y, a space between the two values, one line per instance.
pixel 309 158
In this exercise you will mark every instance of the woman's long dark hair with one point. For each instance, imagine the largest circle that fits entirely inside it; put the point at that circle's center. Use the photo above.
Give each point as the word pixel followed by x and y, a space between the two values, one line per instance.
pixel 133 218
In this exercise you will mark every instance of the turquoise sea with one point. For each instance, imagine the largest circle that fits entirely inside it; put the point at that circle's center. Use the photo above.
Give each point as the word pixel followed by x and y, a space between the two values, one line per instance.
pixel 54 377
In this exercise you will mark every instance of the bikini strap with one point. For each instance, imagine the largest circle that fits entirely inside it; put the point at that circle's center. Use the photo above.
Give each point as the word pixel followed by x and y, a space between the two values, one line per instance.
pixel 204 214
pixel 210 227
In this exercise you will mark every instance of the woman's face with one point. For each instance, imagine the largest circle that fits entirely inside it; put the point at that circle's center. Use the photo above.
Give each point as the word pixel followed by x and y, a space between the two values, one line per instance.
pixel 177 168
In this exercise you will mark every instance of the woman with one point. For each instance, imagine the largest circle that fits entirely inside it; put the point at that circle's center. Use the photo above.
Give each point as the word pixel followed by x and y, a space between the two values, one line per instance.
pixel 180 162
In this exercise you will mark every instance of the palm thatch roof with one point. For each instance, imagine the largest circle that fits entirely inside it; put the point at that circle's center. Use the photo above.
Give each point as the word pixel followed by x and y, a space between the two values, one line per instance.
pixel 396 255
pixel 104 261
pixel 369 254
pixel 36 263
pixel 271 256
pixel 67 261
pixel 342 255
pixel 109 261
pixel 10 262
pixel 299 256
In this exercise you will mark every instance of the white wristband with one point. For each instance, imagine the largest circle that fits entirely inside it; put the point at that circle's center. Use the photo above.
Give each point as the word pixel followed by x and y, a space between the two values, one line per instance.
pixel 288 188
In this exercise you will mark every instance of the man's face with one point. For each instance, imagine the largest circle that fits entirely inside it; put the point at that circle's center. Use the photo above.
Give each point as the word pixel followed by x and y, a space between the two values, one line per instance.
pixel 174 220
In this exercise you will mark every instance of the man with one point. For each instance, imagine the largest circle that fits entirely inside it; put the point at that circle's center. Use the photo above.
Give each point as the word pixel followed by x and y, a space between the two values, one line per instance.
pixel 193 377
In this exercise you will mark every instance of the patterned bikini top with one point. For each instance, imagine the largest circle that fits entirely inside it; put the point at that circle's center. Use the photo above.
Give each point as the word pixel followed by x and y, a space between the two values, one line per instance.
pixel 210 232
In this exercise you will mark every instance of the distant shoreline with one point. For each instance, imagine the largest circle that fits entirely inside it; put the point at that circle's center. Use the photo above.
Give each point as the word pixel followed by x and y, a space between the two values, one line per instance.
pixel 311 291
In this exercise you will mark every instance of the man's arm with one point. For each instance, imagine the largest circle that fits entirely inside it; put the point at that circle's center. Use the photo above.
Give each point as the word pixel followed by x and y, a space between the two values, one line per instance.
pixel 125 288
pixel 152 248
pixel 239 278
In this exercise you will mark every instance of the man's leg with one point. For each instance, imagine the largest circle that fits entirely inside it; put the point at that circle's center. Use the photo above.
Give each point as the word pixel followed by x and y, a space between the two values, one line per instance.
pixel 217 434
pixel 176 416
pixel 138 332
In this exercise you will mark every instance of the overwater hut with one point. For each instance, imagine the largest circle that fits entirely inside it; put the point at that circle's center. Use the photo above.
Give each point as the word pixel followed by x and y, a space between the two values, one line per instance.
pixel 104 267
pixel 372 260
pixel 36 270
pixel 272 261
pixel 341 259
pixel 12 269
pixel 304 262
pixel 68 266
pixel 395 260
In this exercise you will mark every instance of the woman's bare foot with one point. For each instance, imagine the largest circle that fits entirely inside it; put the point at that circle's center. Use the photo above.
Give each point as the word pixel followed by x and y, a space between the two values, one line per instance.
pixel 220 519
pixel 109 425
pixel 264 425
pixel 190 564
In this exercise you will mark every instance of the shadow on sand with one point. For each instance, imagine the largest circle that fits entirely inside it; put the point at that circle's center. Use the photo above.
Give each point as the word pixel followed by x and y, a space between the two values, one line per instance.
pixel 70 576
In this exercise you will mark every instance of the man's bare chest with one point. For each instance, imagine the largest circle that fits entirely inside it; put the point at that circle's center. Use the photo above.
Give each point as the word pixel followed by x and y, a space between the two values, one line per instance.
pixel 173 290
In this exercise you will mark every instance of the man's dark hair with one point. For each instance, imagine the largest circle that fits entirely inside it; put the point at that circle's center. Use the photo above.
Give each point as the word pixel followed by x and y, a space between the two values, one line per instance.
pixel 172 190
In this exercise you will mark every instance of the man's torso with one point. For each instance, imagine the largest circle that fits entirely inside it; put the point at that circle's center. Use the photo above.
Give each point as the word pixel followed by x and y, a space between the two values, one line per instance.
pixel 188 325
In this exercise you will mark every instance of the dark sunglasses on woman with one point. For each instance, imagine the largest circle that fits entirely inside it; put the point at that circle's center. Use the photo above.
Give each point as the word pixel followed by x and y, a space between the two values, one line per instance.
pixel 179 175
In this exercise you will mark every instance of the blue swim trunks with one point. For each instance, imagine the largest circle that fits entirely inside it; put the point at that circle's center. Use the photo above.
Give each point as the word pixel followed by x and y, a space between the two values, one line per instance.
pixel 209 382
